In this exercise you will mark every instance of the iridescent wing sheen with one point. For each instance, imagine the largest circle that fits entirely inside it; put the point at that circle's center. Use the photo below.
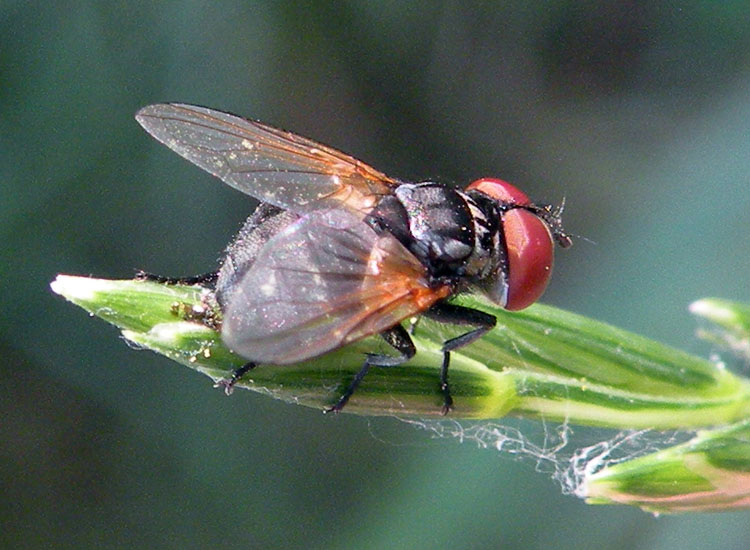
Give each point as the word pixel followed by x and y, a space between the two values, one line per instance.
pixel 323 282
pixel 274 166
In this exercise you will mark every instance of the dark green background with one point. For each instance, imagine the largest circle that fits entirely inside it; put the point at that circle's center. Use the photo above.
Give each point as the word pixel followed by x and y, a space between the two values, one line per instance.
pixel 637 113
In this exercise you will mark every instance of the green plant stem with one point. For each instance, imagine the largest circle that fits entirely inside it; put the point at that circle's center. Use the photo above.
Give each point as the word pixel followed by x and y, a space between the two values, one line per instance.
pixel 542 362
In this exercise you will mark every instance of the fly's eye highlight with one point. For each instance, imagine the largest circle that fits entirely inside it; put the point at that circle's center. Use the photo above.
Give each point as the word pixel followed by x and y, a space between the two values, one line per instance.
pixel 503 192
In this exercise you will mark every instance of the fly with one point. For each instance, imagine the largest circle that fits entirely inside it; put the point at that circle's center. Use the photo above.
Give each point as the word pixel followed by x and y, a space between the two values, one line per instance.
pixel 338 251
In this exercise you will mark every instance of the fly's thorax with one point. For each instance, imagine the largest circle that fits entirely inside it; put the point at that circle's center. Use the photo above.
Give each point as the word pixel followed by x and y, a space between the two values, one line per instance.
pixel 265 222
pixel 446 229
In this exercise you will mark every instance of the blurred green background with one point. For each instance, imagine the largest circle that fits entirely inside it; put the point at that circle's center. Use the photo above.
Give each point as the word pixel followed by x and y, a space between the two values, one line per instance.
pixel 638 113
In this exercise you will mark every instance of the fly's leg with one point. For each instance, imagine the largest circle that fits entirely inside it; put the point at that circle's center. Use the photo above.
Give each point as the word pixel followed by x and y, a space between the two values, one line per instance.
pixel 202 279
pixel 228 383
pixel 458 315
pixel 400 340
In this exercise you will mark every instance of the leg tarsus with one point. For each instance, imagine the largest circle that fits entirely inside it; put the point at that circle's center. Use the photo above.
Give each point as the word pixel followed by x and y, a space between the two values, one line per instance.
pixel 344 398
pixel 228 383
pixel 462 316
pixel 444 386
pixel 398 338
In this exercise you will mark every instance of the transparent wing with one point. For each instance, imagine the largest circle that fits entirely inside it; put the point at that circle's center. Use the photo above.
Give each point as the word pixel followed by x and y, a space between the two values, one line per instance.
pixel 323 282
pixel 274 166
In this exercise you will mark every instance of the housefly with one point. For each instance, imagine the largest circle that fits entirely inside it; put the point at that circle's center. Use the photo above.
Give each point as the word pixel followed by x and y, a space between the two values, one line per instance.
pixel 337 251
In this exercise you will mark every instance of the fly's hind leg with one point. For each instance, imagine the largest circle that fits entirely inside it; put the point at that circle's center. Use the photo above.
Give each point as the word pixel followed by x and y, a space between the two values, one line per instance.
pixel 458 315
pixel 400 340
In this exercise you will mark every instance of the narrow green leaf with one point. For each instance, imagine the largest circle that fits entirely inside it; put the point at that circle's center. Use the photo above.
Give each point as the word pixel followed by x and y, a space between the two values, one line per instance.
pixel 708 473
pixel 731 322
pixel 733 316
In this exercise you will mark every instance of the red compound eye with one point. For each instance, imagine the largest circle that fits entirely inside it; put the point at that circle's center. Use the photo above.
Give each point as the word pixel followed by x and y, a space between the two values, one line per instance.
pixel 530 257
pixel 501 191
pixel 529 243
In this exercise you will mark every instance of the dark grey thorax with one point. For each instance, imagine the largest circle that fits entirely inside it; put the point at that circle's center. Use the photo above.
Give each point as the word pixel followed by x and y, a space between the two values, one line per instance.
pixel 453 234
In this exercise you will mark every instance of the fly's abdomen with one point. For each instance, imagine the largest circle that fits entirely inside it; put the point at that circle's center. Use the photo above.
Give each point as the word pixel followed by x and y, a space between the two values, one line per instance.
pixel 259 228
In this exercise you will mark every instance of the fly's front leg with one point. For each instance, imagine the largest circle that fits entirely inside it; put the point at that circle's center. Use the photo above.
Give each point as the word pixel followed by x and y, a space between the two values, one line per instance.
pixel 399 339
pixel 458 315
